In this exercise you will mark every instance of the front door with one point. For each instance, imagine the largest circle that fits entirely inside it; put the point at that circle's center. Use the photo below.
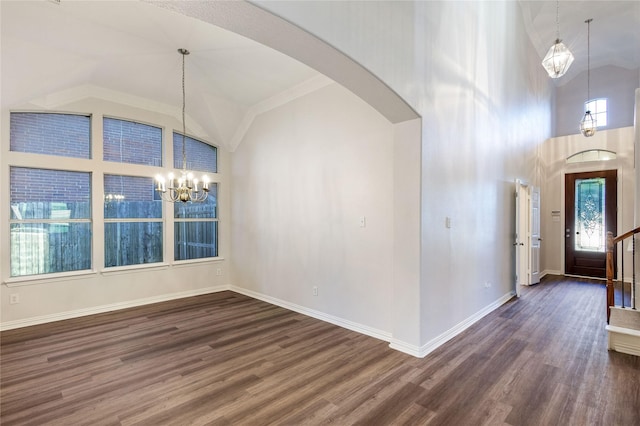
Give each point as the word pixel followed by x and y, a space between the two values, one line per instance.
pixel 590 212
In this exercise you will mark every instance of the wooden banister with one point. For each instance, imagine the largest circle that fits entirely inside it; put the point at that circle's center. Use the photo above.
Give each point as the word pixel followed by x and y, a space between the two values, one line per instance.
pixel 610 300
pixel 625 235
pixel 611 242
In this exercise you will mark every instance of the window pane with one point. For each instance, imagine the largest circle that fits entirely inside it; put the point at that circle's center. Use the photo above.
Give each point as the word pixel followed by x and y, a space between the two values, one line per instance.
pixel 130 142
pixel 49 194
pixel 132 243
pixel 601 119
pixel 65 135
pixel 196 240
pixel 43 248
pixel 200 156
pixel 208 209
pixel 130 197
pixel 590 214
pixel 598 108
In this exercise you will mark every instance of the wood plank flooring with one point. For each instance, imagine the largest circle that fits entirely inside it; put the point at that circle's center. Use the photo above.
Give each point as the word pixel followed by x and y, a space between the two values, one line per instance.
pixel 226 359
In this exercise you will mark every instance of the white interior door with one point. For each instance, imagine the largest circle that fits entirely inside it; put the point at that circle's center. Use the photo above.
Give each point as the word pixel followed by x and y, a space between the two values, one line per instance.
pixel 520 242
pixel 534 220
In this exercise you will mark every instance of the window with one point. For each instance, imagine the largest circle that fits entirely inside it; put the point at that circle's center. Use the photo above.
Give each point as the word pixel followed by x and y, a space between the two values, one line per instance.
pixel 196 228
pixel 66 135
pixel 131 142
pixel 132 221
pixel 196 224
pixel 598 108
pixel 201 156
pixel 50 221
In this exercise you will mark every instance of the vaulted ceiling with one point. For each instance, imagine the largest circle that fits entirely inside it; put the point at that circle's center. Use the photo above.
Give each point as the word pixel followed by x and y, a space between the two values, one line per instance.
pixel 615 31
pixel 55 52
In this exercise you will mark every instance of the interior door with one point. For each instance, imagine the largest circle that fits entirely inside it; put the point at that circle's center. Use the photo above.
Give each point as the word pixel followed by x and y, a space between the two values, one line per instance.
pixel 536 239
pixel 520 239
pixel 590 212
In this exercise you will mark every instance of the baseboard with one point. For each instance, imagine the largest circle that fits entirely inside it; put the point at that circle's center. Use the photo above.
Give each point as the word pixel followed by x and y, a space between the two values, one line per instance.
pixel 624 340
pixel 438 341
pixel 550 272
pixel 9 325
pixel 417 351
pixel 341 322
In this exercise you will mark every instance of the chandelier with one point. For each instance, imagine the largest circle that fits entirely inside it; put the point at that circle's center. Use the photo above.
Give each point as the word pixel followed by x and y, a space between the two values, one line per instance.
pixel 588 123
pixel 558 58
pixel 184 188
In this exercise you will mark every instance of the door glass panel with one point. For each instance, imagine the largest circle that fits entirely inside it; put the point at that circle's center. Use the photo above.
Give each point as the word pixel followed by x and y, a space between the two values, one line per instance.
pixel 590 215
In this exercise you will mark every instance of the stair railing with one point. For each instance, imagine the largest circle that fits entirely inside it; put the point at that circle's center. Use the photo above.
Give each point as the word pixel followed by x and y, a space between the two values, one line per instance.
pixel 611 245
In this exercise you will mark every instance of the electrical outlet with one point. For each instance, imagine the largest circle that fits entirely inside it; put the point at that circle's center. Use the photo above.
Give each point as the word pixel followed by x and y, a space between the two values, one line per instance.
pixel 14 298
pixel 218 271
pixel 315 290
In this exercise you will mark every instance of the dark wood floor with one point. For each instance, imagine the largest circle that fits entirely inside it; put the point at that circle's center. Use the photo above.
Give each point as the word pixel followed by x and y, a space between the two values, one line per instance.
pixel 226 359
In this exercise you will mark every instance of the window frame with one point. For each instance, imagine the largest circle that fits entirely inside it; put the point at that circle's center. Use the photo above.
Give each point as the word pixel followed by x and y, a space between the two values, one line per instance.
pixel 178 220
pixel 98 167
pixel 106 221
pixel 52 221
pixel 592 106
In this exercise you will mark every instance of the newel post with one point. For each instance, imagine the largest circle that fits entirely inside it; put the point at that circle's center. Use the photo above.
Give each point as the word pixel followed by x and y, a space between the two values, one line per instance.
pixel 609 274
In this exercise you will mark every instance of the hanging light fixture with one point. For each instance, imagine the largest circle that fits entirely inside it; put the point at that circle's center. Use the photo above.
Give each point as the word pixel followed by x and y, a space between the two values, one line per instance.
pixel 588 123
pixel 185 188
pixel 558 58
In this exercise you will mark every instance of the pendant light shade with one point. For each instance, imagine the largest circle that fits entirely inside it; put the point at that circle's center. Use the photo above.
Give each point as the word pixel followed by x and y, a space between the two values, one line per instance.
pixel 558 59
pixel 588 123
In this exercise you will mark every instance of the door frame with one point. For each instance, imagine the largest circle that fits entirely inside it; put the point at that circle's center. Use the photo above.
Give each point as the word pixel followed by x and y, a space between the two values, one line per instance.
pixel 569 169
pixel 522 240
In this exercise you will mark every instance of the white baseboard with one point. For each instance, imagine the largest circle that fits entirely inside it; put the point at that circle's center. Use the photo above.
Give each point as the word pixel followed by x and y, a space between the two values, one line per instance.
pixel 624 340
pixel 550 272
pixel 349 325
pixel 417 351
pixel 438 341
pixel 9 325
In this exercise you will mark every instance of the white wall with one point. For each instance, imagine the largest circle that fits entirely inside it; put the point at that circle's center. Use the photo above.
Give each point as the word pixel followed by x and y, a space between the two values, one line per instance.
pixel 301 179
pixel 470 71
pixel 554 153
pixel 50 299
pixel 615 84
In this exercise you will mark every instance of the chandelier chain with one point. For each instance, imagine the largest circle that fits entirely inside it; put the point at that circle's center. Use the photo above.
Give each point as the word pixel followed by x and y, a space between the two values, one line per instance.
pixel 558 20
pixel 588 21
pixel 184 126
pixel 185 188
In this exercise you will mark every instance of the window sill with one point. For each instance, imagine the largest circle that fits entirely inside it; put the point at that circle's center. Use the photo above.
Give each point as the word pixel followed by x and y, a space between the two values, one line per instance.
pixel 184 263
pixel 66 276
pixel 144 267
pixel 49 278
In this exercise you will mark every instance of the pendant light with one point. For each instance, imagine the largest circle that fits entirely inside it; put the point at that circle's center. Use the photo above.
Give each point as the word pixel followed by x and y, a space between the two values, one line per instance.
pixel 184 188
pixel 558 58
pixel 588 123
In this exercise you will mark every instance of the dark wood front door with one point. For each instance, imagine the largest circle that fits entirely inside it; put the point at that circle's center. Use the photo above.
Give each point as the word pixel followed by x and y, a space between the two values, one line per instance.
pixel 590 212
